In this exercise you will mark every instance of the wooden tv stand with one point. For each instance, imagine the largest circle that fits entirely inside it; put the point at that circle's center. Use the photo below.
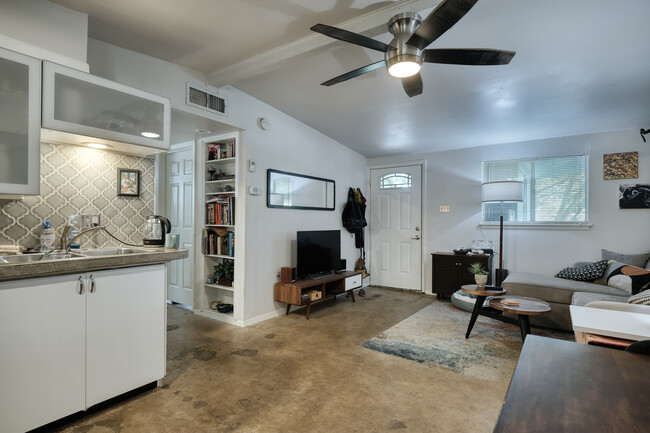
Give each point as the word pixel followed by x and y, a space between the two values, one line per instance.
pixel 291 293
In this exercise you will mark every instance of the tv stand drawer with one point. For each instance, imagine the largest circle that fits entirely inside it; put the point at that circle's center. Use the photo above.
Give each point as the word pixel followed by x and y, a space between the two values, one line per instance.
pixel 352 282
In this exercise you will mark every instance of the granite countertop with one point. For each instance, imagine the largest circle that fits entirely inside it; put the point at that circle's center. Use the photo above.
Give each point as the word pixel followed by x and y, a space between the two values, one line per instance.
pixel 45 268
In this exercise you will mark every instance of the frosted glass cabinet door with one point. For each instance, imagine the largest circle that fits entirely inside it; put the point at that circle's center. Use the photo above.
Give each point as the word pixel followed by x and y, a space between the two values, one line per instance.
pixel 20 123
pixel 84 104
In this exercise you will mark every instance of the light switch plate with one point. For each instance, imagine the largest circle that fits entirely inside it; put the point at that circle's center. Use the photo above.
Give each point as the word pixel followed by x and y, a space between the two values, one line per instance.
pixel 445 208
pixel 254 190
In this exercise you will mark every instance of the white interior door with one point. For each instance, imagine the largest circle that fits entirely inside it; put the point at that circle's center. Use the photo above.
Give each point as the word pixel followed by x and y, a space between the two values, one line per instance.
pixel 180 211
pixel 396 227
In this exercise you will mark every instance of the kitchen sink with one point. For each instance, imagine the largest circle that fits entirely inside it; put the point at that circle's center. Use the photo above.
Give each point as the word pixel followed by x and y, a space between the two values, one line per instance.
pixel 31 258
pixel 100 252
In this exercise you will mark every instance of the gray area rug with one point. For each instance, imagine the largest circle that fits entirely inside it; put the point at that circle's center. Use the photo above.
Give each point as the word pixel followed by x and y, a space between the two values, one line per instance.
pixel 435 336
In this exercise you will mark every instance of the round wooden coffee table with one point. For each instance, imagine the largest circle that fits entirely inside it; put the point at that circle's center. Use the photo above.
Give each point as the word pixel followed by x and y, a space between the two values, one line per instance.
pixel 481 294
pixel 526 307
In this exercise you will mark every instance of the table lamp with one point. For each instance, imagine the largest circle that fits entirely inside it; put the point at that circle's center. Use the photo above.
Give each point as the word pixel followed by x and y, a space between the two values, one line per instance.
pixel 502 191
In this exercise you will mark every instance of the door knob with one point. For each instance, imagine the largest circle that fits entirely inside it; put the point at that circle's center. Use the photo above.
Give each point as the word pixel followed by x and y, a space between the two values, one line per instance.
pixel 416 237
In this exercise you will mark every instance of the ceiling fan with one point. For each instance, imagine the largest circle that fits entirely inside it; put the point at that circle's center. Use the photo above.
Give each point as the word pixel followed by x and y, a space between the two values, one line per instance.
pixel 405 54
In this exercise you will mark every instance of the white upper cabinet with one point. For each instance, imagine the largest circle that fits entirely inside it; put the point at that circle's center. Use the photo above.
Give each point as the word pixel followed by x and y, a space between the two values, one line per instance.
pixel 87 108
pixel 20 123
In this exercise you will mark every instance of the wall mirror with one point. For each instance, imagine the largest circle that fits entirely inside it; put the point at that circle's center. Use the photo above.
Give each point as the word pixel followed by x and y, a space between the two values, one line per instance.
pixel 298 191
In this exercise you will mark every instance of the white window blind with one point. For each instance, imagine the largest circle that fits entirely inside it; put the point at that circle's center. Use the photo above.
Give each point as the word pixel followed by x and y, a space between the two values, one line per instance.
pixel 555 189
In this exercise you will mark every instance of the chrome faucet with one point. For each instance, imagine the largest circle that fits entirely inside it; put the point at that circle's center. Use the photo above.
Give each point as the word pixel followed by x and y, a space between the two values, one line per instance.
pixel 65 242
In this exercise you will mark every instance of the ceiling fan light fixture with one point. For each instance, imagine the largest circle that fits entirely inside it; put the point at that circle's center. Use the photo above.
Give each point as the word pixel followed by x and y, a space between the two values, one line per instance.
pixel 404 69
pixel 405 65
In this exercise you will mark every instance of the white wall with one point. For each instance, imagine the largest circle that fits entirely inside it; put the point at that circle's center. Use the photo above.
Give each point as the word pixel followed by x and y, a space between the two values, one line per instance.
pixel 454 177
pixel 44 30
pixel 288 145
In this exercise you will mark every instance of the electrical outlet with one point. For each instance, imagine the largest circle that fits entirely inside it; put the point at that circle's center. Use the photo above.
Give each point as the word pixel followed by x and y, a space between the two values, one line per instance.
pixel 89 221
pixel 445 208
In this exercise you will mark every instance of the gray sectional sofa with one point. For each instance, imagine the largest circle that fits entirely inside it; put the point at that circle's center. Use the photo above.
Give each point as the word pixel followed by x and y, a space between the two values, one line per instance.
pixel 561 293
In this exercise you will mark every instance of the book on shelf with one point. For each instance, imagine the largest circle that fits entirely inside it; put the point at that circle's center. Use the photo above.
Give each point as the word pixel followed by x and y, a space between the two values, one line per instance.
pixel 221 150
pixel 216 244
pixel 220 210
pixel 214 151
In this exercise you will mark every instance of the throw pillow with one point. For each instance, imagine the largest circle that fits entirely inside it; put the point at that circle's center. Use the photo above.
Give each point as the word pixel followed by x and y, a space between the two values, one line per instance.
pixel 584 273
pixel 640 298
pixel 628 278
pixel 638 260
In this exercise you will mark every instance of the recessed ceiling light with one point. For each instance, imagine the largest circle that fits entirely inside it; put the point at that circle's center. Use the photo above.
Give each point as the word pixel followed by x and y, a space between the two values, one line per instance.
pixel 150 134
pixel 96 145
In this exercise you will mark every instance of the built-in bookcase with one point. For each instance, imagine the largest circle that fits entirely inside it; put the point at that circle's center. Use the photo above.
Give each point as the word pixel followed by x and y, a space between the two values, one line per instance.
pixel 219 208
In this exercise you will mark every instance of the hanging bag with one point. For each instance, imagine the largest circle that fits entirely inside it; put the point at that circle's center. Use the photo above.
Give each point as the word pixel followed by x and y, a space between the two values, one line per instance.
pixel 353 214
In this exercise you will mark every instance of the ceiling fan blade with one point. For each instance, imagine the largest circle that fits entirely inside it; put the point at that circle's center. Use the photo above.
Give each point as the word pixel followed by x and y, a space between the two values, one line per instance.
pixel 353 38
pixel 443 17
pixel 412 85
pixel 460 56
pixel 355 73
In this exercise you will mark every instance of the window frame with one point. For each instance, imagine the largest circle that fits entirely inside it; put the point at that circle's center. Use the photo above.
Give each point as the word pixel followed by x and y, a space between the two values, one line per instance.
pixel 408 176
pixel 576 225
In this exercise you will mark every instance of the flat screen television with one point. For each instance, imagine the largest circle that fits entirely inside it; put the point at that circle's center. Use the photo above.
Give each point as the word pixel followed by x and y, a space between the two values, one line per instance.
pixel 319 253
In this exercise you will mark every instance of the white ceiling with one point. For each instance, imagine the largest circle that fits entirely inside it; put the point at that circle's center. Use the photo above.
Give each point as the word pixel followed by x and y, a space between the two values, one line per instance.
pixel 582 66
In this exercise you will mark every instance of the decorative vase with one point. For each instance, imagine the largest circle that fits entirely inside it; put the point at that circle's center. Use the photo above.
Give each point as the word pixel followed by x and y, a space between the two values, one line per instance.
pixel 225 282
pixel 481 280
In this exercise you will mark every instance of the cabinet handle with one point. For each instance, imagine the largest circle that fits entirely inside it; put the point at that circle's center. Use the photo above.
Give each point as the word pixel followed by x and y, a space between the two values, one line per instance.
pixel 92 284
pixel 81 285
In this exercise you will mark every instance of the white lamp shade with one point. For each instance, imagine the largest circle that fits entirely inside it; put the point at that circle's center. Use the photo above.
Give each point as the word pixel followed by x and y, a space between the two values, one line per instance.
pixel 507 190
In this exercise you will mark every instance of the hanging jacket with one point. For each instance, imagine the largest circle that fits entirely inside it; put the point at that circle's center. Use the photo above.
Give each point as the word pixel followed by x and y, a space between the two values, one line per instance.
pixel 354 213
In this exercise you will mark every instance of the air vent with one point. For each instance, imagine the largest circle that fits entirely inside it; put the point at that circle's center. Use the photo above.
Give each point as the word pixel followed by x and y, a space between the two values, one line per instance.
pixel 203 99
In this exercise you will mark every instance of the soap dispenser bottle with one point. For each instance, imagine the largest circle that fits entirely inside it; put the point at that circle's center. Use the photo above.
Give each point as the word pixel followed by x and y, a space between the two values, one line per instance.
pixel 73 235
pixel 48 237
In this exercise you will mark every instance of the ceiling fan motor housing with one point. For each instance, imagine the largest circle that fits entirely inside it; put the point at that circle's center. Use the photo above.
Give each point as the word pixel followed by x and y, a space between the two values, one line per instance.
pixel 403 26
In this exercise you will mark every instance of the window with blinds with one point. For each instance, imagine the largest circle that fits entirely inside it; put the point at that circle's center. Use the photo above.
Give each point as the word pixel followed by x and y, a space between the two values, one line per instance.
pixel 555 190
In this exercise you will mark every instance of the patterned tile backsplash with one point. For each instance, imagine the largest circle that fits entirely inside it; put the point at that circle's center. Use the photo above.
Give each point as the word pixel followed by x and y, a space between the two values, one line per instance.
pixel 79 180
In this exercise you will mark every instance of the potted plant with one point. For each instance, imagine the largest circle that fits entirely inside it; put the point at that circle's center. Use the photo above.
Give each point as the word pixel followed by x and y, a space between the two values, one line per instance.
pixel 480 274
pixel 224 273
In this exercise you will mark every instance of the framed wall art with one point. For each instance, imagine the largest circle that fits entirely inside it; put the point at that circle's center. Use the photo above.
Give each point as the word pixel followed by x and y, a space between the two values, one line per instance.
pixel 128 182
pixel 623 165
pixel 634 196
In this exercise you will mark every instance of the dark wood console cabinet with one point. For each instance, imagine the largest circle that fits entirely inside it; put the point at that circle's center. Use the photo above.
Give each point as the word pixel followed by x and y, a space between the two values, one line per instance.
pixel 291 293
pixel 450 271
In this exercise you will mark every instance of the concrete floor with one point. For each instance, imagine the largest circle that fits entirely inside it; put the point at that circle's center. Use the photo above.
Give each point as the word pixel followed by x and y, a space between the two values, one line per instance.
pixel 289 374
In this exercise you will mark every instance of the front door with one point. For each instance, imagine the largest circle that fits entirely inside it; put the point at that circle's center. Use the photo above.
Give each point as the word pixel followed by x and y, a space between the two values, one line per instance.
pixel 396 227
pixel 180 209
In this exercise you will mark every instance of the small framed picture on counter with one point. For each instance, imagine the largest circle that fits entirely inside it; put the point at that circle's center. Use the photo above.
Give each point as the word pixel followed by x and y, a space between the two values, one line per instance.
pixel 128 182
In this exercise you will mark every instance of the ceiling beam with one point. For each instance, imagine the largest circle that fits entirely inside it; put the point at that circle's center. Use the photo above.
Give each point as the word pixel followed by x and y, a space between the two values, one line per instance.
pixel 273 59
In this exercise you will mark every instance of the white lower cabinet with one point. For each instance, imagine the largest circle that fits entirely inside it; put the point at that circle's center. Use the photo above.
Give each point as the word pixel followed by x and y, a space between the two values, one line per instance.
pixel 125 331
pixel 69 342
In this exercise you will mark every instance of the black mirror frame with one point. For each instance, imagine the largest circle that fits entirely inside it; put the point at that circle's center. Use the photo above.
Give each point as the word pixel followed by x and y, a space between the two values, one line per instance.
pixel 275 206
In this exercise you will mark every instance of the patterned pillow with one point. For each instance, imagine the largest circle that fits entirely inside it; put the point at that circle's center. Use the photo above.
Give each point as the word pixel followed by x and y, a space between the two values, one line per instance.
pixel 640 298
pixel 625 277
pixel 584 273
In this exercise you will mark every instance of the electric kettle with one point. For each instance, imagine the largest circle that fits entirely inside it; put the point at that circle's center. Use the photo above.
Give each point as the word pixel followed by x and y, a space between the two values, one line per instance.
pixel 155 229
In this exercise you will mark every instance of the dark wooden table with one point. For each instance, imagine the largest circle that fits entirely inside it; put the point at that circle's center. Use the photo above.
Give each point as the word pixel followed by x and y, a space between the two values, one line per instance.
pixel 562 386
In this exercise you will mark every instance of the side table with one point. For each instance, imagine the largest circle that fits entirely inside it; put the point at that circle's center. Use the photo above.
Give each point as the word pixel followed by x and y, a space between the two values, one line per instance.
pixel 481 294
pixel 527 307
